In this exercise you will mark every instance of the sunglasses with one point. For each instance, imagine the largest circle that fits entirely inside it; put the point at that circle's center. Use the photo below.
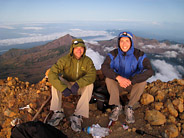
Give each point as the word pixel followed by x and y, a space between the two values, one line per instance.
pixel 125 34
pixel 77 42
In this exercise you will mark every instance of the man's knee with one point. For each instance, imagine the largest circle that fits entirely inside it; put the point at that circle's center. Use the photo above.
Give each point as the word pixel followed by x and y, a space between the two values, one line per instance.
pixel 109 81
pixel 88 88
pixel 90 85
pixel 141 84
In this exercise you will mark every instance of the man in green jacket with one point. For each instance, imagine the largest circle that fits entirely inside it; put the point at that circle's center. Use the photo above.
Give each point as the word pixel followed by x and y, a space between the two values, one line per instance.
pixel 72 74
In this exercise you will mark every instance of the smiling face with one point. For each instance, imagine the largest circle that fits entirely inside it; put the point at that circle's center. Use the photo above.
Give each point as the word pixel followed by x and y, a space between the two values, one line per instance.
pixel 125 44
pixel 78 52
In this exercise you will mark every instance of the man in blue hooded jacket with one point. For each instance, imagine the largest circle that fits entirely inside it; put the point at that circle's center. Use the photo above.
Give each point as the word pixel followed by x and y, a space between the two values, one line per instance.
pixel 126 69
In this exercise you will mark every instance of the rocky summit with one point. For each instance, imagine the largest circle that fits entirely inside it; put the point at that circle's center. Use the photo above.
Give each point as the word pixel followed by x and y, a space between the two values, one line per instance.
pixel 160 112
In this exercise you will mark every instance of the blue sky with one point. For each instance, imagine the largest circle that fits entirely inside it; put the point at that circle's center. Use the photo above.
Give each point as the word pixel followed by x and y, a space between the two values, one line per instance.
pixel 164 16
pixel 155 11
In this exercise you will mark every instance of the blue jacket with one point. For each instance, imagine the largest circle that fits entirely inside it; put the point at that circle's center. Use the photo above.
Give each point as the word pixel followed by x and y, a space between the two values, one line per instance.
pixel 133 64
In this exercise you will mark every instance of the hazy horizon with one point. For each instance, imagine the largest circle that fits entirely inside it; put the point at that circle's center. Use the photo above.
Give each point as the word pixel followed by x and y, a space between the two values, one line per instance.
pixel 155 19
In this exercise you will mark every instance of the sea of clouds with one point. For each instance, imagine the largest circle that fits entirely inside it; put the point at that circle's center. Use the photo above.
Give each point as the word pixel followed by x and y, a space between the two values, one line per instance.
pixel 39 37
pixel 165 71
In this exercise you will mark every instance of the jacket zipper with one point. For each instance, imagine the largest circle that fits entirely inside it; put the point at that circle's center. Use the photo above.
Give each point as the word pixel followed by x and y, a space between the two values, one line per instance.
pixel 77 69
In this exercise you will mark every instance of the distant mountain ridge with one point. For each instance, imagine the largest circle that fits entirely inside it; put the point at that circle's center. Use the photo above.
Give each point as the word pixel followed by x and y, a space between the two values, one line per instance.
pixel 30 64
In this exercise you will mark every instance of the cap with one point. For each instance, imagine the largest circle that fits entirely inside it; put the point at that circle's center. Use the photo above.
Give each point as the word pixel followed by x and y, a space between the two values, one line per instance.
pixel 126 34
pixel 78 43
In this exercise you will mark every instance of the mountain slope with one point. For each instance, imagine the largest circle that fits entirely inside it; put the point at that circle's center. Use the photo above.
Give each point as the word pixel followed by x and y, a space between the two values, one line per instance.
pixel 29 64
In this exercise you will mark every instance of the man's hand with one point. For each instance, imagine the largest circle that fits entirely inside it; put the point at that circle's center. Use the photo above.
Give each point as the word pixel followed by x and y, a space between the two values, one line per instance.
pixel 75 88
pixel 123 82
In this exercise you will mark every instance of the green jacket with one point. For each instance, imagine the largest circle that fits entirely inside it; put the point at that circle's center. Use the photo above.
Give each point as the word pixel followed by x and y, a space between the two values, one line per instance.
pixel 68 67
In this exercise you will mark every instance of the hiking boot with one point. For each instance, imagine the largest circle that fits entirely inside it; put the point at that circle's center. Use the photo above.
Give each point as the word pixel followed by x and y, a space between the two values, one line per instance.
pixel 76 121
pixel 129 114
pixel 56 118
pixel 115 113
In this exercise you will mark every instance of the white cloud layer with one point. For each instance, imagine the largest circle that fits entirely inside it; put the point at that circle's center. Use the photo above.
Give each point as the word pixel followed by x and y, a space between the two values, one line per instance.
pixel 170 54
pixel 31 34
pixel 177 47
pixel 180 69
pixel 85 33
pixel 32 28
pixel 149 46
pixel 166 72
pixel 96 57
pixel 6 27
pixel 40 38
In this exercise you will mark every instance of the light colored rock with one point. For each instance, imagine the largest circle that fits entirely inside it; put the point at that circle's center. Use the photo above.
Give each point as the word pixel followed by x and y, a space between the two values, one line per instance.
pixel 11 103
pixel 171 108
pixel 38 91
pixel 178 103
pixel 16 78
pixel 147 99
pixel 5 89
pixel 154 89
pixel 148 126
pixel 155 117
pixel 179 127
pixel 181 81
pixel 172 131
pixel 47 72
pixel 133 129
pixel 160 96
pixel 129 130
pixel 158 105
pixel 48 84
pixel 9 113
pixel 171 93
pixel 27 84
pixel 9 78
pixel 171 119
pixel 11 82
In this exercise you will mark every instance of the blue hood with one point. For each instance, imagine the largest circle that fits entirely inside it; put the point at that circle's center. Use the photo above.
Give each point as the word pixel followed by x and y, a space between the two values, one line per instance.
pixel 129 35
